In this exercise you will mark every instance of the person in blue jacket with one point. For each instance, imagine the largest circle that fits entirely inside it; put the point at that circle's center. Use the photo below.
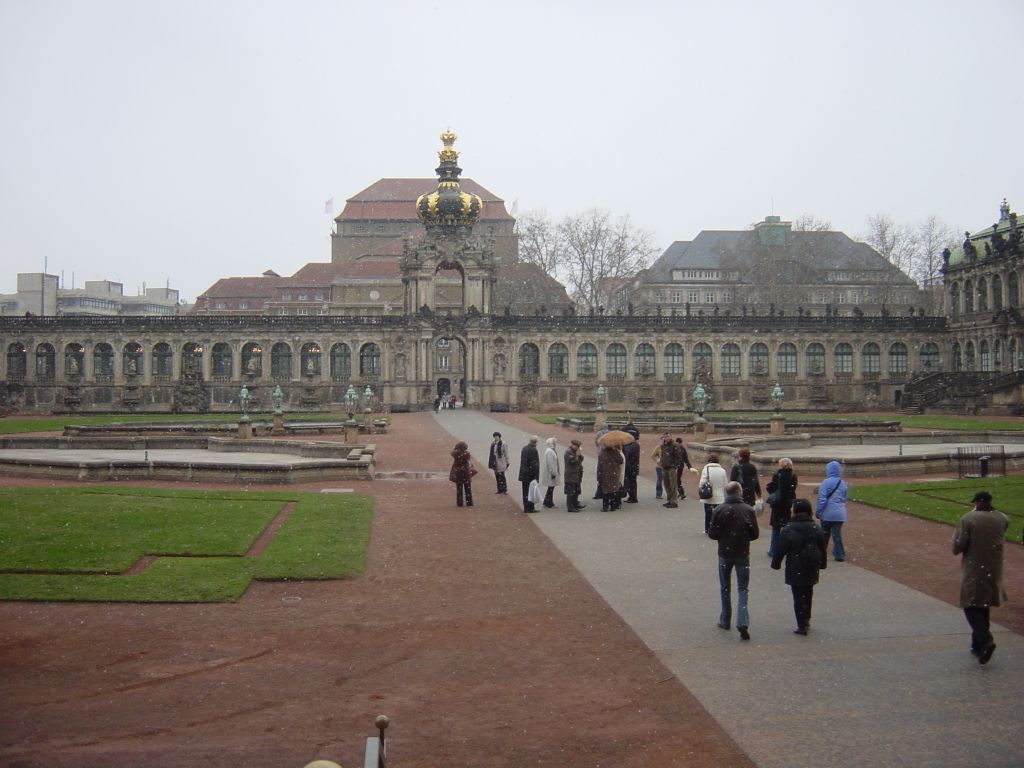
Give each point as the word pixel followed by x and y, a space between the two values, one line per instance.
pixel 831 508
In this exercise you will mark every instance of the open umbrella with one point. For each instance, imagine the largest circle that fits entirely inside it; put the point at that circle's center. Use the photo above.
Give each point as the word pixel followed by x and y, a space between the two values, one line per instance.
pixel 615 437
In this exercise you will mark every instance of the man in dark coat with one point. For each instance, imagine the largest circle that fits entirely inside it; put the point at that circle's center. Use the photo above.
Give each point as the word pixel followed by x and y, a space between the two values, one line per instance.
pixel 803 545
pixel 670 459
pixel 979 538
pixel 609 462
pixel 631 454
pixel 529 470
pixel 573 476
pixel 734 525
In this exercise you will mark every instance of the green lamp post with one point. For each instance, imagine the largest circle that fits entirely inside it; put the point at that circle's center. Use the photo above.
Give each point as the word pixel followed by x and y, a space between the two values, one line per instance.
pixel 700 400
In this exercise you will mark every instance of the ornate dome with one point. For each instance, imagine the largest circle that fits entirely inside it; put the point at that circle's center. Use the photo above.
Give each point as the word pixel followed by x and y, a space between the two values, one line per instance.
pixel 448 206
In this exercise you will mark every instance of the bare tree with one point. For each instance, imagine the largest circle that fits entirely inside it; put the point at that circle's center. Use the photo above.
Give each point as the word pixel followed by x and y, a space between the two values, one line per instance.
pixel 933 237
pixel 597 249
pixel 808 222
pixel 539 241
pixel 897 243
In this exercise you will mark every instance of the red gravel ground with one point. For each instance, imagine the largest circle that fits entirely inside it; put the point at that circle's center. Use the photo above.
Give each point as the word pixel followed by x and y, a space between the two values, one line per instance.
pixel 469 629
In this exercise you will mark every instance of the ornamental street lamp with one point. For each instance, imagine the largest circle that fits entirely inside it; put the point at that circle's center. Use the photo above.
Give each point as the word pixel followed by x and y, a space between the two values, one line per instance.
pixel 700 400
pixel 243 400
pixel 600 397
pixel 778 397
pixel 368 398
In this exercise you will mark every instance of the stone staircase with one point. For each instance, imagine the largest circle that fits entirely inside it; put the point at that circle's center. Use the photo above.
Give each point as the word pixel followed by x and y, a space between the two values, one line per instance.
pixel 964 388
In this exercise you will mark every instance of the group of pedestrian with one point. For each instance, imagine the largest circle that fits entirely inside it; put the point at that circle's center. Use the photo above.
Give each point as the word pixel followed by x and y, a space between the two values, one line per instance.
pixel 441 402
pixel 731 508
pixel 799 543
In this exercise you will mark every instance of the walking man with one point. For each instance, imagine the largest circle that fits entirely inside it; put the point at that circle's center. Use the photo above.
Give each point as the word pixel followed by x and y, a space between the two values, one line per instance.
pixel 734 526
pixel 573 476
pixel 670 459
pixel 529 470
pixel 979 539
pixel 604 430
pixel 498 461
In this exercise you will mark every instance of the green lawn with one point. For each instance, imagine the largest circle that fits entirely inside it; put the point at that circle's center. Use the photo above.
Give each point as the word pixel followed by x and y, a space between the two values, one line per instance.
pixel 74 544
pixel 947 502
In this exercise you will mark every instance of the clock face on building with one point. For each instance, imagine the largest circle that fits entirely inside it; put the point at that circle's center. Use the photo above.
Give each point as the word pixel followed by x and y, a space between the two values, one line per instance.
pixel 374 295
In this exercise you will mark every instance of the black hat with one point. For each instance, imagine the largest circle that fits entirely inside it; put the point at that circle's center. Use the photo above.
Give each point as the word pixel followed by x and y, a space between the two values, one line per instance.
pixel 983 496
pixel 496 434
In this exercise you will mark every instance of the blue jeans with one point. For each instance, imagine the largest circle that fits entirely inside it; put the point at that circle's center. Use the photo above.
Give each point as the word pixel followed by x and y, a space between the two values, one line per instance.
pixel 774 541
pixel 834 528
pixel 725 566
pixel 657 482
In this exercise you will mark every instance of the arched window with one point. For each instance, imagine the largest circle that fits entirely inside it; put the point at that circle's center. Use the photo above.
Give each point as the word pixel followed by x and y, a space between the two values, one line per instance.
pixel 74 360
pixel 615 360
pixel 221 360
pixel 702 361
pixel 982 295
pixel 968 297
pixel 586 361
pixel 758 359
pixel 842 359
pixel 1011 350
pixel 341 362
pixel 281 362
pixel 252 359
pixel 958 361
pixel 954 299
pixel 997 355
pixel 369 361
pixel 815 359
pixel 645 360
pixel 970 362
pixel 163 360
pixel 131 359
pixel 870 359
pixel 311 359
pixel 674 359
pixel 46 362
pixel 997 293
pixel 897 358
pixel 558 360
pixel 17 361
pixel 984 358
pixel 1013 290
pixel 930 362
pixel 103 361
pixel 529 361
pixel 730 361
pixel 192 359
pixel 785 359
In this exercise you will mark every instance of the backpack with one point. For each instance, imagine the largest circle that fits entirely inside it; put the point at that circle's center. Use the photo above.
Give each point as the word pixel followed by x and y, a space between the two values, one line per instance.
pixel 810 555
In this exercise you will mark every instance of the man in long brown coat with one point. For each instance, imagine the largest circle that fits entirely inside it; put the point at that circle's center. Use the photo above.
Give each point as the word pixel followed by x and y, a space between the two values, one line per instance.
pixel 979 538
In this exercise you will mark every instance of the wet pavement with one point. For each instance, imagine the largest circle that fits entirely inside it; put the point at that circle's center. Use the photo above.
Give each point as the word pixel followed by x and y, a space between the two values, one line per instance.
pixel 883 678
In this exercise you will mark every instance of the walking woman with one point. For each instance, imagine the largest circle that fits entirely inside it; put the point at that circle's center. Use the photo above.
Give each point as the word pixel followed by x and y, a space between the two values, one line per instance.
pixel 831 508
pixel 781 494
pixel 462 474
pixel 802 545
pixel 745 473
pixel 551 474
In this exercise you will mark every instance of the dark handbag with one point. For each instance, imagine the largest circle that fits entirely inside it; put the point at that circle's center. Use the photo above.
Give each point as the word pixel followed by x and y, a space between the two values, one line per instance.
pixel 772 499
pixel 472 471
pixel 705 490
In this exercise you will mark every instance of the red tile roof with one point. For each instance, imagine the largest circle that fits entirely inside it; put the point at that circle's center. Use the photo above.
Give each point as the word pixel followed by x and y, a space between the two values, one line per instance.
pixel 242 287
pixel 394 199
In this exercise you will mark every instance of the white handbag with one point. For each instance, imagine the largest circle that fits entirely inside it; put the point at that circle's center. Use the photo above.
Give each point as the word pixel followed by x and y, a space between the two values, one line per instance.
pixel 533 495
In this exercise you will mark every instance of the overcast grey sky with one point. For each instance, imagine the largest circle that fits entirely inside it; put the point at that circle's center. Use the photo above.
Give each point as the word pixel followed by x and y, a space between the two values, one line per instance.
pixel 191 140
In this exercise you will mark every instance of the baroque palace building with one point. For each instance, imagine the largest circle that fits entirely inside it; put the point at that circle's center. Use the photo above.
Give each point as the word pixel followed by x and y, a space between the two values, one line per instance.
pixel 424 294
